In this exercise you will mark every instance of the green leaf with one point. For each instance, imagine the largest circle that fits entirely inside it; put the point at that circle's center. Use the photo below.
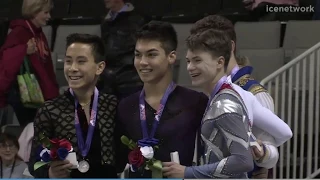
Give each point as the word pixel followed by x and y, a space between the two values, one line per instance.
pixel 125 140
pixel 45 140
pixel 156 169
pixel 39 164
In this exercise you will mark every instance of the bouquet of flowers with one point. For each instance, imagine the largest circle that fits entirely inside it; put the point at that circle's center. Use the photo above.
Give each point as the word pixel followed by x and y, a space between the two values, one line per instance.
pixel 52 149
pixel 141 157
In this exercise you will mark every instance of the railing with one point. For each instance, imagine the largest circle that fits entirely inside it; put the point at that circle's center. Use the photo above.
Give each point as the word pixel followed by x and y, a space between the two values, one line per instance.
pixel 295 89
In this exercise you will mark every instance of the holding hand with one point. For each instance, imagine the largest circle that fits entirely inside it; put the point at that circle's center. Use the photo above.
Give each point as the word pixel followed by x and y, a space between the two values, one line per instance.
pixel 258 155
pixel 60 169
pixel 32 46
pixel 173 170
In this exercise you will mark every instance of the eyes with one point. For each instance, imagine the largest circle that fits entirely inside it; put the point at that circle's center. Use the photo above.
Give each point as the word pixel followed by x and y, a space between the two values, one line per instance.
pixel 148 55
pixel 194 61
pixel 69 61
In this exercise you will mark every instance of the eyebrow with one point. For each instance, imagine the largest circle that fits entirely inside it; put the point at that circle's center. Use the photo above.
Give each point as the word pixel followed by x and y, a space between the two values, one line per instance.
pixel 195 57
pixel 78 57
pixel 150 50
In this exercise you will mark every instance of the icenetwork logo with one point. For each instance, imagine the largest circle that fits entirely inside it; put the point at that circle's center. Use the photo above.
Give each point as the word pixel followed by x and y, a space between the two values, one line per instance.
pixel 290 9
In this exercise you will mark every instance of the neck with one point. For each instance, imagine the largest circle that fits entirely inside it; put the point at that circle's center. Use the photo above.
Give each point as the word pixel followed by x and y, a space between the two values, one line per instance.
pixel 35 23
pixel 7 163
pixel 84 95
pixel 117 8
pixel 232 64
pixel 210 87
pixel 159 88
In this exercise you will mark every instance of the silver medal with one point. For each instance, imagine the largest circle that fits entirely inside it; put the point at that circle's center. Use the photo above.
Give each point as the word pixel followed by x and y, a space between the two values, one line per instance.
pixel 83 166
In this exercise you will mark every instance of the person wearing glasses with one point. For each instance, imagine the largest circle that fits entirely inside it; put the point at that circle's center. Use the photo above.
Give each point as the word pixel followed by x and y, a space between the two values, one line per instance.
pixel 11 165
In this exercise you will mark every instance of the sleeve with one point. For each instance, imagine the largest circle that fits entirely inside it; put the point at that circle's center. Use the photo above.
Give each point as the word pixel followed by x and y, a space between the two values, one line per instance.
pixel 240 159
pixel 271 123
pixel 12 56
pixel 265 100
pixel 272 156
pixel 121 150
pixel 42 125
pixel 202 104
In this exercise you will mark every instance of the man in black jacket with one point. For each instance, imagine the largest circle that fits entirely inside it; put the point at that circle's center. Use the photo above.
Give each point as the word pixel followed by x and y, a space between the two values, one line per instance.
pixel 118 33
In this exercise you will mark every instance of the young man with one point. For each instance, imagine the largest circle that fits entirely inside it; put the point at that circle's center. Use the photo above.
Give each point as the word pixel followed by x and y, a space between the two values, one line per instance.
pixel 82 115
pixel 172 112
pixel 225 125
pixel 242 77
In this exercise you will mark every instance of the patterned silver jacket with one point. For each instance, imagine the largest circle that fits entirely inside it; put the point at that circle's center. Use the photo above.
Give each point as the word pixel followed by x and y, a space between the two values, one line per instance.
pixel 224 131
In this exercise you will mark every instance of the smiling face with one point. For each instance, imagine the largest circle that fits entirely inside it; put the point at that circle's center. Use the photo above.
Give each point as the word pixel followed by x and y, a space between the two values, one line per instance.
pixel 8 150
pixel 151 60
pixel 80 69
pixel 41 18
pixel 203 68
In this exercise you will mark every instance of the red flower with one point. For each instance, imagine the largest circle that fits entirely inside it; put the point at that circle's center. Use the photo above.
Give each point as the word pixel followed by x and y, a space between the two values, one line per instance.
pixel 135 158
pixel 55 142
pixel 63 143
pixel 53 153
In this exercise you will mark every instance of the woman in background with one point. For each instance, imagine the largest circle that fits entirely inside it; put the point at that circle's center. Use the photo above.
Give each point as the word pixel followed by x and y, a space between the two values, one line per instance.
pixel 12 166
pixel 27 39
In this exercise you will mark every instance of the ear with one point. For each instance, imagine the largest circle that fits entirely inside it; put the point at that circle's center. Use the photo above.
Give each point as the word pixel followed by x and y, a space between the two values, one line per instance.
pixel 233 47
pixel 101 65
pixel 220 63
pixel 172 57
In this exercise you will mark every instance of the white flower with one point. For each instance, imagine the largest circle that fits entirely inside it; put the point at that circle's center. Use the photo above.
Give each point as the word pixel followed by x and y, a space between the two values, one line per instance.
pixel 147 152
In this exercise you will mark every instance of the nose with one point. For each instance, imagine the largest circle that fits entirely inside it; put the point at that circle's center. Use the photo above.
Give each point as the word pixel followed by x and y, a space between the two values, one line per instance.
pixel 49 16
pixel 74 67
pixel 143 61
pixel 190 67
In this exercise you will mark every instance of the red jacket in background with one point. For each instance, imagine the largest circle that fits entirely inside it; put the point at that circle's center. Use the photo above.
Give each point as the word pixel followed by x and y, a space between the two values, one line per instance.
pixel 12 54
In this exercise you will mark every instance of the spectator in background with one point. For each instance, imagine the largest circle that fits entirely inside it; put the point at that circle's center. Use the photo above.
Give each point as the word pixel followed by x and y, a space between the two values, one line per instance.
pixel 12 166
pixel 118 33
pixel 259 7
pixel 27 39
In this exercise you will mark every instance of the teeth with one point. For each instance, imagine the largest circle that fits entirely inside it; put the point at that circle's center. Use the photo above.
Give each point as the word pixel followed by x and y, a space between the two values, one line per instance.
pixel 74 77
pixel 145 70
pixel 194 75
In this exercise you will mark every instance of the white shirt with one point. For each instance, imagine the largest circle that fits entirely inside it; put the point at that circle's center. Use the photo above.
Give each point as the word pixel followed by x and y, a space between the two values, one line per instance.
pixel 265 123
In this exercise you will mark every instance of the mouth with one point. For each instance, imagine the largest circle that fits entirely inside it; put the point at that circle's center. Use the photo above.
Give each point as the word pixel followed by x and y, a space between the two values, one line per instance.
pixel 74 78
pixel 195 75
pixel 145 70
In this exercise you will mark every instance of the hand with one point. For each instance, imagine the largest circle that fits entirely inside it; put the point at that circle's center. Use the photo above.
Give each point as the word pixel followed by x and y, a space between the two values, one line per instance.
pixel 256 153
pixel 261 173
pixel 32 47
pixel 173 170
pixel 60 169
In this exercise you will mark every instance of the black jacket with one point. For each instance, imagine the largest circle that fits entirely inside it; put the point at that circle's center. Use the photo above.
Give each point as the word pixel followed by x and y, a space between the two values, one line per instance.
pixel 120 76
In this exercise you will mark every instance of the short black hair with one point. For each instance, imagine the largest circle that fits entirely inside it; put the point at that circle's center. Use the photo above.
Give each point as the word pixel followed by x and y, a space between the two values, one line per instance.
pixel 96 43
pixel 217 43
pixel 160 31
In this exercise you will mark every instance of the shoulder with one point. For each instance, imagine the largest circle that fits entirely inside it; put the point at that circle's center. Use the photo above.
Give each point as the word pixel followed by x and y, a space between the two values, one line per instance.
pixel 255 87
pixel 225 102
pixel 129 100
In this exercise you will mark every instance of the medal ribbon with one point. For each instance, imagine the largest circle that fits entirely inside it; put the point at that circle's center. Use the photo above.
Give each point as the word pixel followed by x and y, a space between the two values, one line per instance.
pixel 149 140
pixel 85 147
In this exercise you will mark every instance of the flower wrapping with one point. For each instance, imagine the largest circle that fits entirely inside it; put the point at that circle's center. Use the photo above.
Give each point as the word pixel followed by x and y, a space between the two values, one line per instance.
pixel 141 156
pixel 52 150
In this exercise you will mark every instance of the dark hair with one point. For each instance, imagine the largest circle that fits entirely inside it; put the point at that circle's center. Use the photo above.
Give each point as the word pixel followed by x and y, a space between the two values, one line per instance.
pixel 215 22
pixel 96 43
pixel 160 31
pixel 5 137
pixel 214 42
